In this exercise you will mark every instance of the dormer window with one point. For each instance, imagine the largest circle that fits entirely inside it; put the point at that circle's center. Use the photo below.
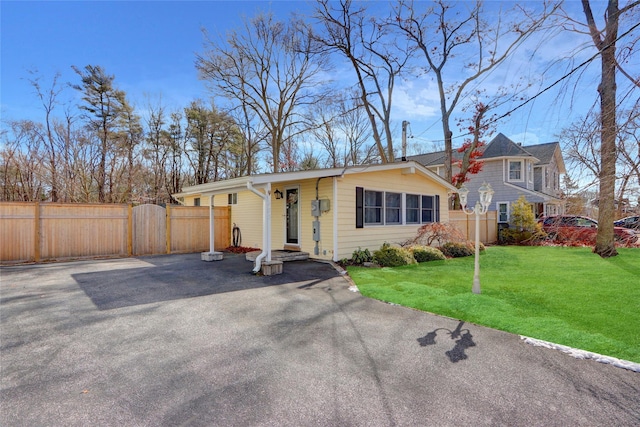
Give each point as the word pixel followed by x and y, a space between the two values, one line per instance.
pixel 515 170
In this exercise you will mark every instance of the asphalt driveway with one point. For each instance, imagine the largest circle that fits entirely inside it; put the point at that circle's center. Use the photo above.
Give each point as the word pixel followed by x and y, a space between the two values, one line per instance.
pixel 172 340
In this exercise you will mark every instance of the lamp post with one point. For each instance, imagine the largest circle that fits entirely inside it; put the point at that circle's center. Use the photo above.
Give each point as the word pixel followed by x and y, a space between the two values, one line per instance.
pixel 481 207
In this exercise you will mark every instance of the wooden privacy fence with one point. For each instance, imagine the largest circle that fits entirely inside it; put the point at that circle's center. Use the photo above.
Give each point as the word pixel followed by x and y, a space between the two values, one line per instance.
pixel 32 231
pixel 467 224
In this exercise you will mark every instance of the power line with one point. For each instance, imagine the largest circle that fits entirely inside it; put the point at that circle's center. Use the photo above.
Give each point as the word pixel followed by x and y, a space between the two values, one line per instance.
pixel 548 87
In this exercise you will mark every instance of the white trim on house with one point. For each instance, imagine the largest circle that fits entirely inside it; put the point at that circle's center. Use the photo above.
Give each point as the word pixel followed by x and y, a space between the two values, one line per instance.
pixel 240 184
pixel 523 171
pixel 298 220
pixel 533 192
pixel 507 213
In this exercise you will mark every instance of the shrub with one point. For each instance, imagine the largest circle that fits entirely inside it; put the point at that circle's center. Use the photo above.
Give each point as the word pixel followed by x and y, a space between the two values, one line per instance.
pixel 426 253
pixel 522 217
pixel 512 236
pixel 360 256
pixel 457 250
pixel 392 256
pixel 437 234
pixel 523 228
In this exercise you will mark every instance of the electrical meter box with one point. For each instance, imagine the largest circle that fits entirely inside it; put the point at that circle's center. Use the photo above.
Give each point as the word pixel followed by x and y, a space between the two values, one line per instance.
pixel 315 208
pixel 316 231
pixel 320 206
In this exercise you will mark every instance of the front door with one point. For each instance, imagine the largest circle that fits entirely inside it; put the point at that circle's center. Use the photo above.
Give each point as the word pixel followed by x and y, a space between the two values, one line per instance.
pixel 292 214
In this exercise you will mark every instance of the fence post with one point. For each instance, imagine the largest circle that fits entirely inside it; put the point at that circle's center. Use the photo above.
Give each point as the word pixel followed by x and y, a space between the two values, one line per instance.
pixel 130 230
pixel 168 230
pixel 36 232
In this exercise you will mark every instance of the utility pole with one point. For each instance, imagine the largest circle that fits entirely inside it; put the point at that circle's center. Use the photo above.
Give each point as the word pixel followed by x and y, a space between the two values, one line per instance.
pixel 404 140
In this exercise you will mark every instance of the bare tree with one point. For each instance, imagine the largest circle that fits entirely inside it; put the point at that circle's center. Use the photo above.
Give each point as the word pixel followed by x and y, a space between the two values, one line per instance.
pixel 254 134
pixel 605 40
pixel 271 68
pixel 23 172
pixel 462 43
pixel 325 117
pixel 376 56
pixel 629 148
pixel 342 128
pixel 48 99
pixel 68 138
pixel 156 151
pixel 581 146
pixel 356 130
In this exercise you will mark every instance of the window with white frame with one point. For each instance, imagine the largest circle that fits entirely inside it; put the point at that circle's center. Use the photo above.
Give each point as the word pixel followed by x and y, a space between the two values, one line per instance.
pixel 412 209
pixel 503 212
pixel 373 207
pixel 515 170
pixel 530 171
pixel 233 198
pixel 391 208
pixel 196 201
pixel 546 178
pixel 428 212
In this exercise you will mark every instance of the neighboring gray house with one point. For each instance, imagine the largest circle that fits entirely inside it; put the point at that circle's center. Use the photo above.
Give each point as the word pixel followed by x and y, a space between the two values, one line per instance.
pixel 513 170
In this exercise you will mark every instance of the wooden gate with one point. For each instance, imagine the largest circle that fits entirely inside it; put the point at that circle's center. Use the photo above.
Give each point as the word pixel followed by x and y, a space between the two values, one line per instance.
pixel 149 230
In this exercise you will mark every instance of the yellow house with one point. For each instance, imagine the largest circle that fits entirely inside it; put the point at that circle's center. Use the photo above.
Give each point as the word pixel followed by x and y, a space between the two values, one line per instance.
pixel 328 213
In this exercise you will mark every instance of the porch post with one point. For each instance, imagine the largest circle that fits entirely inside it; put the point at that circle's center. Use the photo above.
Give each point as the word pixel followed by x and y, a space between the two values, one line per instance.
pixel 212 255
pixel 212 227
pixel 267 221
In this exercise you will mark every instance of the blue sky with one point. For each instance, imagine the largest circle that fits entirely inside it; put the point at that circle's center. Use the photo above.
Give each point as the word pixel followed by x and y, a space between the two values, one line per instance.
pixel 150 47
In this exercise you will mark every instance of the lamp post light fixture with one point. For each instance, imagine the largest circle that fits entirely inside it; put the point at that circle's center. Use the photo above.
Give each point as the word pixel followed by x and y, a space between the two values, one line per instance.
pixel 481 208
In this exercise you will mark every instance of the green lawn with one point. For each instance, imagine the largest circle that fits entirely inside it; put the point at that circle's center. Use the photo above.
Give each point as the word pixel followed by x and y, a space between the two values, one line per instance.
pixel 564 295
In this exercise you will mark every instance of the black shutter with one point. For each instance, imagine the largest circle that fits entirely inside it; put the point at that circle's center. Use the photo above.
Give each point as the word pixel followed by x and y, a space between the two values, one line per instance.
pixel 437 208
pixel 359 207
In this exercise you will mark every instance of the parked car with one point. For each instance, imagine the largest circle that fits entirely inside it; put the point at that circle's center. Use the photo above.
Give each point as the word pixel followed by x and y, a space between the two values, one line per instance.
pixel 580 228
pixel 632 222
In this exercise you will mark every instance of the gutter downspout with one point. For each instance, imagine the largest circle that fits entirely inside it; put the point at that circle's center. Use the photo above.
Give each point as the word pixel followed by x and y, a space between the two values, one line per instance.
pixel 266 224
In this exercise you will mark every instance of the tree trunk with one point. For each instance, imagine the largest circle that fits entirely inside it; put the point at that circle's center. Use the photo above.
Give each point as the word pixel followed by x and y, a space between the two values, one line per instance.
pixel 605 246
pixel 605 243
